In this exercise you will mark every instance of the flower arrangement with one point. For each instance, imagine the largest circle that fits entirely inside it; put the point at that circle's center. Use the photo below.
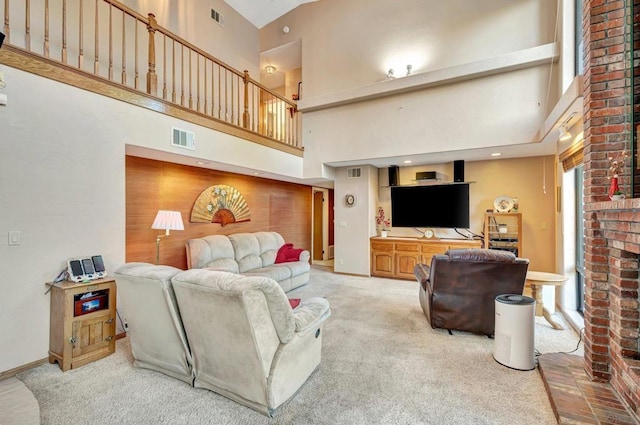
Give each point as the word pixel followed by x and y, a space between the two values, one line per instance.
pixel 381 220
pixel 617 165
pixel 616 168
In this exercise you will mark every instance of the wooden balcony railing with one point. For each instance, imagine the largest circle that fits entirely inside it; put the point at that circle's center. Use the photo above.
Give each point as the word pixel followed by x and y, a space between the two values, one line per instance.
pixel 108 40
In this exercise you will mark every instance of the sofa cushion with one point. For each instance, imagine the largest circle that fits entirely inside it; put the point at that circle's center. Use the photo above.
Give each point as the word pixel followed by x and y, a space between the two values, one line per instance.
pixel 213 251
pixel 275 272
pixel 297 267
pixel 247 251
pixel 269 243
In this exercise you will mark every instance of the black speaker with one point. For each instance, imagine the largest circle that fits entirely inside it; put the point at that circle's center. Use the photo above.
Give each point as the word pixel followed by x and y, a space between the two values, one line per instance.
pixel 393 175
pixel 458 171
pixel 1 38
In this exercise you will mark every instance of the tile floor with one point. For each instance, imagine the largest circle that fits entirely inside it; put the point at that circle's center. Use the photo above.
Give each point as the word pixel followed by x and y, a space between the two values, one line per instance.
pixel 577 400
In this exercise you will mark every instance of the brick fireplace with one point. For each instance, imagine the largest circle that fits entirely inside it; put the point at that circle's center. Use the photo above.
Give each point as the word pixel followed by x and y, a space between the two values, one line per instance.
pixel 612 228
pixel 612 316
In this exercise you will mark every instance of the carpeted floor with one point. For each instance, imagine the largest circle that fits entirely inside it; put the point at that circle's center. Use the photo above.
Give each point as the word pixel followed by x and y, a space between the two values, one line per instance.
pixel 382 364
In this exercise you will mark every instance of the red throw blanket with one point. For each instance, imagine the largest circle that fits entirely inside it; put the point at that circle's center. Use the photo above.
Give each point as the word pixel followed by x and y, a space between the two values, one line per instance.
pixel 288 253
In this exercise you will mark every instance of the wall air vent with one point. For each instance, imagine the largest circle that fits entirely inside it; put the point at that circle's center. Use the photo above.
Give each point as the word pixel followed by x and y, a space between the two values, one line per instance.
pixel 354 173
pixel 217 16
pixel 183 139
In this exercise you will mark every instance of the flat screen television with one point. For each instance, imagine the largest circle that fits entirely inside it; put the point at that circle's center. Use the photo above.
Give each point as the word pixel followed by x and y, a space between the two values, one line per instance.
pixel 442 205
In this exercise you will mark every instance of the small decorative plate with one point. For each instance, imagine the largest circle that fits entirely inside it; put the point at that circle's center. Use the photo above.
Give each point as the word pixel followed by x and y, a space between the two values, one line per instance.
pixel 503 203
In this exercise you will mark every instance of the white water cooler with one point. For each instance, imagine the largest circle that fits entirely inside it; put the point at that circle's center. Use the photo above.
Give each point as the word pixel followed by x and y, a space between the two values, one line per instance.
pixel 514 331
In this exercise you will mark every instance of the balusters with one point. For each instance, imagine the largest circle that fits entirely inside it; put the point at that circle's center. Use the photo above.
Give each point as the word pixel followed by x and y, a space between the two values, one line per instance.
pixel 80 35
pixel 198 83
pixel 190 76
pixel 124 49
pixel 6 31
pixel 110 70
pixel 46 27
pixel 136 77
pixel 64 31
pixel 205 91
pixel 173 73
pixel 164 67
pixel 152 78
pixel 27 25
pixel 96 53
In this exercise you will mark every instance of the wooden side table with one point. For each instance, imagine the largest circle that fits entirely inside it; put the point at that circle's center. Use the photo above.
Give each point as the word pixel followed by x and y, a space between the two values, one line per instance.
pixel 83 322
pixel 535 281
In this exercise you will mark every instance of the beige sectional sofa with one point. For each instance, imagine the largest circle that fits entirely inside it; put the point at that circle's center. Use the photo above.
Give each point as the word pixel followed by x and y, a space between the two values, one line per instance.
pixel 249 254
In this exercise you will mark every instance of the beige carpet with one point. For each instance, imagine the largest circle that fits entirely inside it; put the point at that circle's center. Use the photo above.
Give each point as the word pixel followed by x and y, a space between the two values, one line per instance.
pixel 382 364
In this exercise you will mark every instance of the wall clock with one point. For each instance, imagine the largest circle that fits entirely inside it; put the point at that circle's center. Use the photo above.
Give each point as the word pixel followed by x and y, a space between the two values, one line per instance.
pixel 350 199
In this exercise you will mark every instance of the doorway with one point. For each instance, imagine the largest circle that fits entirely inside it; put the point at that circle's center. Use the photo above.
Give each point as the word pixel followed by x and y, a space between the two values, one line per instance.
pixel 321 226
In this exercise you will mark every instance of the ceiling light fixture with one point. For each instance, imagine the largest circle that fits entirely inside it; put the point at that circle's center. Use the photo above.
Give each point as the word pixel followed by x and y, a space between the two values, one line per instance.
pixel 496 154
pixel 270 69
pixel 408 161
pixel 564 134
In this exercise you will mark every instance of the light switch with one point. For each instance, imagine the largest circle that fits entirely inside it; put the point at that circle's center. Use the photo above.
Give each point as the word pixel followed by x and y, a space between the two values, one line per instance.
pixel 14 237
pixel 543 226
pixel 342 224
pixel 3 99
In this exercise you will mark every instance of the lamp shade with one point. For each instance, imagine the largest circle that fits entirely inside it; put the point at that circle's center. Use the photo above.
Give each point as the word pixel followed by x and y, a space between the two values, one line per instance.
pixel 168 220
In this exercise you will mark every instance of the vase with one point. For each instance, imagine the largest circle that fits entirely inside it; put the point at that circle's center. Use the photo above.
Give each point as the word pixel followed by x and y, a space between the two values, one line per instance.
pixel 616 197
pixel 613 188
pixel 383 233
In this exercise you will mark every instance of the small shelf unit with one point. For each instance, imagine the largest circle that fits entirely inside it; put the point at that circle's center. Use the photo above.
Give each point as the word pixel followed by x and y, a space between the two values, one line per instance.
pixel 503 231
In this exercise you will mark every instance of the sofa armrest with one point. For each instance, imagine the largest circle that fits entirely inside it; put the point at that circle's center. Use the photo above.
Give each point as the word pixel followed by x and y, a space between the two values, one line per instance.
pixel 305 256
pixel 310 313
pixel 422 273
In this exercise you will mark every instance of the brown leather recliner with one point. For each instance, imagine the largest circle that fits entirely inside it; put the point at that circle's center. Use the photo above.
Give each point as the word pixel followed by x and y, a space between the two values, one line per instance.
pixel 458 290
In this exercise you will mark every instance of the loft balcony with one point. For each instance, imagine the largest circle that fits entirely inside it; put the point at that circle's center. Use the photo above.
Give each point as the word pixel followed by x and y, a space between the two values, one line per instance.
pixel 105 47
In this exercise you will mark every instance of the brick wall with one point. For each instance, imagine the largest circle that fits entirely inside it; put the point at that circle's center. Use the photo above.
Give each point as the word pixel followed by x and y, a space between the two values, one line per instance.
pixel 612 229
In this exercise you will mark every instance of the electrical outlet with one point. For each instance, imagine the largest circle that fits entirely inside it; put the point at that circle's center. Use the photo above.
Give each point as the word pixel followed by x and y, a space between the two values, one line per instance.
pixel 14 237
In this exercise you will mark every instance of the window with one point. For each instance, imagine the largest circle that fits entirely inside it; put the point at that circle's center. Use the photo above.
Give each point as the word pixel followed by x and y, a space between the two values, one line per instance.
pixel 579 59
pixel 579 179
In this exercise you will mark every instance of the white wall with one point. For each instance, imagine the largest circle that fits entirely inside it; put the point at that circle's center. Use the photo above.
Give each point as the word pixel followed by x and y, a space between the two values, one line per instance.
pixel 62 183
pixel 354 226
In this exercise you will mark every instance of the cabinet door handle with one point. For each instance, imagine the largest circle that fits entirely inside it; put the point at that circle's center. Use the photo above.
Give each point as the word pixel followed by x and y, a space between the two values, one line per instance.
pixel 109 338
pixel 73 339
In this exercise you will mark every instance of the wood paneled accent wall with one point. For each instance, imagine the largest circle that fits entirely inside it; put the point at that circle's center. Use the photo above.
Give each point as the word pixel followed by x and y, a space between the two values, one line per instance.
pixel 155 185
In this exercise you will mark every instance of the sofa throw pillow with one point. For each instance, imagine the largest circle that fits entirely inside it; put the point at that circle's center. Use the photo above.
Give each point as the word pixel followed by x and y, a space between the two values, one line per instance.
pixel 294 302
pixel 288 253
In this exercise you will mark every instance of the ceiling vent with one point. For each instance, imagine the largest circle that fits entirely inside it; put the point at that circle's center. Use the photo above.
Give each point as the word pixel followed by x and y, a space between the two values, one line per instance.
pixel 354 173
pixel 217 16
pixel 183 139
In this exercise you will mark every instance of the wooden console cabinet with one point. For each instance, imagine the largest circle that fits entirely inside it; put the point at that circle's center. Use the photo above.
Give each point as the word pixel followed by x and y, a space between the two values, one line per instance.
pixel 396 257
pixel 82 328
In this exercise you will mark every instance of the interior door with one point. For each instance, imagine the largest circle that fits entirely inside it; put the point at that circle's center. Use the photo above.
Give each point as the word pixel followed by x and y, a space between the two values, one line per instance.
pixel 318 200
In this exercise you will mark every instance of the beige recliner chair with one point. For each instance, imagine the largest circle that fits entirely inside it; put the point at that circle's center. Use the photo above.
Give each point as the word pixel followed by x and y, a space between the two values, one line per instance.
pixel 247 342
pixel 148 303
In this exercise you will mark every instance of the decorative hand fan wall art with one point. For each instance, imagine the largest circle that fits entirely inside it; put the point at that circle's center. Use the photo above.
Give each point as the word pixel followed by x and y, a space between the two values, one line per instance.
pixel 220 204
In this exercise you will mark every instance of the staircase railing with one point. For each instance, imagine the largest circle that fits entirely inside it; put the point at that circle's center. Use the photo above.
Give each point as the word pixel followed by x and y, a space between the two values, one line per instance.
pixel 108 40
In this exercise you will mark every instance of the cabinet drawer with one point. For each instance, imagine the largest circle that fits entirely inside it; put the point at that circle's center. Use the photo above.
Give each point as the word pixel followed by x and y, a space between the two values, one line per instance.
pixel 409 247
pixel 382 246
pixel 434 249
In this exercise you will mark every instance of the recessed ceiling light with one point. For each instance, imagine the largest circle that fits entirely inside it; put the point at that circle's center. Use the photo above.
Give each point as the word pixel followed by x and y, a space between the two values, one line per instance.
pixel 496 154
pixel 202 163
pixel 408 161
pixel 256 173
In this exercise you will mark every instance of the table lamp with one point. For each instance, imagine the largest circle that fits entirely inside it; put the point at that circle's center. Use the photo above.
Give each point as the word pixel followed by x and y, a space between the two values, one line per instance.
pixel 166 220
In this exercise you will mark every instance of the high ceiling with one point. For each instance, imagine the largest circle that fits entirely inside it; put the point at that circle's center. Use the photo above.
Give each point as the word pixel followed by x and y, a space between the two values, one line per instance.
pixel 263 12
